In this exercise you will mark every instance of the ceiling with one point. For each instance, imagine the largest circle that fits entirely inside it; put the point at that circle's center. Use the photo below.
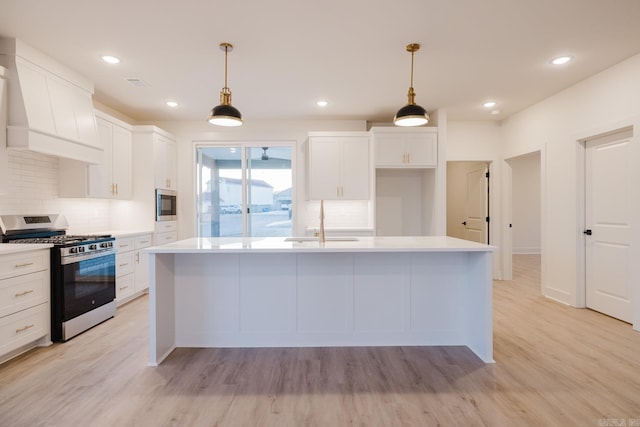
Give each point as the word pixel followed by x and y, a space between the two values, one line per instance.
pixel 290 53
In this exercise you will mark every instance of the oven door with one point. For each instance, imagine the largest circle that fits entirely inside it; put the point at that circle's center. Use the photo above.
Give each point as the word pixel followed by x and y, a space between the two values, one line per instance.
pixel 166 205
pixel 88 284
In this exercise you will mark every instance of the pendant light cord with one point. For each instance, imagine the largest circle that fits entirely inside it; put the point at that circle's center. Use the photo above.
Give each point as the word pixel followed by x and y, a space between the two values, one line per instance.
pixel 411 85
pixel 226 50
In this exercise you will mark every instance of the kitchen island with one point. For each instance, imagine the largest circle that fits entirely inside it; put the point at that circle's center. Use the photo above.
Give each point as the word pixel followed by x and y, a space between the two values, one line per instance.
pixel 369 291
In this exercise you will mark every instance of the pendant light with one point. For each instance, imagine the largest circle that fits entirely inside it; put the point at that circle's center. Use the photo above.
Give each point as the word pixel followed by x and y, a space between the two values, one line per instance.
pixel 411 114
pixel 225 114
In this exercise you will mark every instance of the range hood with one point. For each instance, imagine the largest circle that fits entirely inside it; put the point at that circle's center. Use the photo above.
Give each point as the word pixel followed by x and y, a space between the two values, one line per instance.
pixel 50 105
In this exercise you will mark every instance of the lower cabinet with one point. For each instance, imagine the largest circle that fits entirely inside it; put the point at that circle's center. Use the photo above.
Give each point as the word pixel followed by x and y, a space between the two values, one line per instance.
pixel 24 301
pixel 166 232
pixel 132 266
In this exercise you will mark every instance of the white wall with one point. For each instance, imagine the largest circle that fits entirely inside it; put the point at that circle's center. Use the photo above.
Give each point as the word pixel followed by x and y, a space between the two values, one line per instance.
pixel 33 189
pixel 526 208
pixel 605 102
pixel 482 141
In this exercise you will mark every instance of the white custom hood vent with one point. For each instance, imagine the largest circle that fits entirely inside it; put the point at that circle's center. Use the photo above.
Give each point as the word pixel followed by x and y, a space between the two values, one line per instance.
pixel 50 106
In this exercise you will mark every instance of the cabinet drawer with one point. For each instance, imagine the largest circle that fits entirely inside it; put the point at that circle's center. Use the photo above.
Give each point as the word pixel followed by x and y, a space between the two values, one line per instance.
pixel 124 286
pixel 124 263
pixel 162 238
pixel 21 292
pixel 166 226
pixel 23 327
pixel 142 242
pixel 24 263
pixel 124 245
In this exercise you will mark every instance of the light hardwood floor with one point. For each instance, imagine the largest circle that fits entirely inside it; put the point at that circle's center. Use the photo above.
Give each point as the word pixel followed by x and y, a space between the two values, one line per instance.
pixel 555 365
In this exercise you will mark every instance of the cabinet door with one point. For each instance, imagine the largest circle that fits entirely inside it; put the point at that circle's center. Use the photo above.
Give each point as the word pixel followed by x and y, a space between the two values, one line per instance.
pixel 170 163
pixel 99 176
pixel 324 168
pixel 389 150
pixel 4 155
pixel 355 169
pixel 121 144
pixel 165 161
pixel 141 270
pixel 124 286
pixel 421 150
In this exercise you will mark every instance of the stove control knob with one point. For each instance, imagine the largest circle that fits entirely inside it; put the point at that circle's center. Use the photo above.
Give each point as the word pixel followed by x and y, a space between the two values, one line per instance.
pixel 93 247
pixel 81 249
pixel 73 250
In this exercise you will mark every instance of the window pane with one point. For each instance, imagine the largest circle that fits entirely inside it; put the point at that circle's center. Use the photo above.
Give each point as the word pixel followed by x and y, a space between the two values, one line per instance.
pixel 267 179
pixel 219 191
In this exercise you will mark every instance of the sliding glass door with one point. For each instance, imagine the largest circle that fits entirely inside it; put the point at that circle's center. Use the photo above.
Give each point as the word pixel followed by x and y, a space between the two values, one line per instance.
pixel 244 190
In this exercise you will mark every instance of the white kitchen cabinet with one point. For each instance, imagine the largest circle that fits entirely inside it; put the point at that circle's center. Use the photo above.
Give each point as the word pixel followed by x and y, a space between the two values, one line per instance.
pixel 4 155
pixel 112 177
pixel 405 148
pixel 165 162
pixel 166 232
pixel 24 301
pixel 141 260
pixel 132 266
pixel 125 286
pixel 340 166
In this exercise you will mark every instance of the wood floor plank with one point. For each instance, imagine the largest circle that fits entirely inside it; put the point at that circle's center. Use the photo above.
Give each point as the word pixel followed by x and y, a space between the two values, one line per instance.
pixel 555 365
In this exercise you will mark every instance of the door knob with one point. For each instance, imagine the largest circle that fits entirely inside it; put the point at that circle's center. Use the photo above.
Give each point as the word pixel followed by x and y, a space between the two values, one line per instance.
pixel 587 232
pixel 464 222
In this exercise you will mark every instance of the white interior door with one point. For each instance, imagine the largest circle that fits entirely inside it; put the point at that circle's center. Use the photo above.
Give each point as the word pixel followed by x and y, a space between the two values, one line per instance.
pixel 608 225
pixel 475 222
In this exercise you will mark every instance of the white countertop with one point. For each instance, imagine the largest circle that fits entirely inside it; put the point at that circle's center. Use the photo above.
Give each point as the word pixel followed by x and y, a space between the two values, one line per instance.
pixel 126 233
pixel 360 244
pixel 11 248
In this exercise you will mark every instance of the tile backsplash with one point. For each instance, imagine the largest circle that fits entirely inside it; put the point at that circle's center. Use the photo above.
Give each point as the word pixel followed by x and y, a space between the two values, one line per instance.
pixel 33 189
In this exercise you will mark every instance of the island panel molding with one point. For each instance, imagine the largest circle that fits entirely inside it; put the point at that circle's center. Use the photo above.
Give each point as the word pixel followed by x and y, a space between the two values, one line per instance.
pixel 264 292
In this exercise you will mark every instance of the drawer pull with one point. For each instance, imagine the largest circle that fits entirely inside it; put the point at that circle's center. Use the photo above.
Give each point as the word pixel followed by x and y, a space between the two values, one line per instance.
pixel 24 328
pixel 21 294
pixel 25 264
pixel 122 288
pixel 123 246
pixel 123 265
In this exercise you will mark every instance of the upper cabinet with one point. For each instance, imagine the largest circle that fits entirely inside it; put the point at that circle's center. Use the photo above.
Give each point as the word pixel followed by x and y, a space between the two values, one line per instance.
pixel 4 156
pixel 340 166
pixel 109 179
pixel 164 150
pixel 405 148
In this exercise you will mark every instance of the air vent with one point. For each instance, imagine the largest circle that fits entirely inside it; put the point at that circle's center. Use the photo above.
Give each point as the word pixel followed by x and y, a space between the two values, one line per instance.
pixel 137 82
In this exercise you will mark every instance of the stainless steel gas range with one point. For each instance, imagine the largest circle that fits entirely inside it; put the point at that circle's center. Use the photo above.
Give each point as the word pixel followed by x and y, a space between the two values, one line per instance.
pixel 83 271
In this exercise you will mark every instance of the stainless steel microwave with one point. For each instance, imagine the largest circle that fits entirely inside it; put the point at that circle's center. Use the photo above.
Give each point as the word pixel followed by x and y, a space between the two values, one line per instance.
pixel 166 205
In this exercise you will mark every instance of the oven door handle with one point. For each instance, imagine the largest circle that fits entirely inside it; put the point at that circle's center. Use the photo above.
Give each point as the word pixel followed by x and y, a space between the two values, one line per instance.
pixel 70 259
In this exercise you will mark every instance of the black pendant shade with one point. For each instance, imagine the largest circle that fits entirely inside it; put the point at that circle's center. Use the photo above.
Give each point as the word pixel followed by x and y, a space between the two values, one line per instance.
pixel 225 114
pixel 411 114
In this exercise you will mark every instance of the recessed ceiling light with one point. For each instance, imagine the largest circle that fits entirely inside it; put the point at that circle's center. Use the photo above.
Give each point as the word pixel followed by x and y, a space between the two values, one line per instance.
pixel 322 103
pixel 110 59
pixel 489 104
pixel 172 104
pixel 561 60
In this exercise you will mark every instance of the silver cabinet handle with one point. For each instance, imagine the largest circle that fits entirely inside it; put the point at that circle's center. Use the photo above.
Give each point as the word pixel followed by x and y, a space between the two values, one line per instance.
pixel 24 328
pixel 26 264
pixel 21 294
